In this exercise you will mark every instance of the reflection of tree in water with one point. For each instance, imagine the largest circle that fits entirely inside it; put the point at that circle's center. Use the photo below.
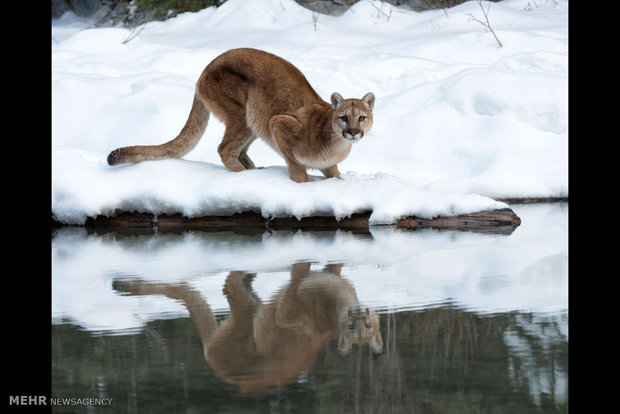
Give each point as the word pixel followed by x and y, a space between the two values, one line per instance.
pixel 537 359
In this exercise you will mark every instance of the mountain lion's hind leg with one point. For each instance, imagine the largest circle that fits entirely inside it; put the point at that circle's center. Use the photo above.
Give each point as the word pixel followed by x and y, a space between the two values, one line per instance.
pixel 236 139
pixel 284 130
pixel 245 159
pixel 331 172
pixel 242 299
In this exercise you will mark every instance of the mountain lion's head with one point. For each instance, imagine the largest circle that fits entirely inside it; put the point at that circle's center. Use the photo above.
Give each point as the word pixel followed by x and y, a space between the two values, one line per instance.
pixel 352 117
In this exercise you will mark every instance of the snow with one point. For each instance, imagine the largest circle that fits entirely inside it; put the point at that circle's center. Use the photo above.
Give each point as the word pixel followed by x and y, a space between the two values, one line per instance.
pixel 458 120
pixel 393 270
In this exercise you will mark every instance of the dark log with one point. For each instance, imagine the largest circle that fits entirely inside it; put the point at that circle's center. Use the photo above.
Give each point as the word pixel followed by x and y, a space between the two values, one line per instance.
pixel 503 221
pixel 532 200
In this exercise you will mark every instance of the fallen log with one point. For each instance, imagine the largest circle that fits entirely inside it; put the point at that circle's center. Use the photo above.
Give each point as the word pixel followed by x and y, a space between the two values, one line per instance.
pixel 502 221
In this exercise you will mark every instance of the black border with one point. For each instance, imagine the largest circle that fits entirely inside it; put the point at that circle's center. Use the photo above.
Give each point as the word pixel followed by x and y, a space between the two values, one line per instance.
pixel 27 248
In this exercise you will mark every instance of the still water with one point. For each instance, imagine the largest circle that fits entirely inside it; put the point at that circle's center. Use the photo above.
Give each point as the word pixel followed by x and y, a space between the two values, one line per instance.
pixel 388 321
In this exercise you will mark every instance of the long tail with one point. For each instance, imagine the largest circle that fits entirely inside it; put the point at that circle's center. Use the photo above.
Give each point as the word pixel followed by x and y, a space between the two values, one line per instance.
pixel 199 310
pixel 186 140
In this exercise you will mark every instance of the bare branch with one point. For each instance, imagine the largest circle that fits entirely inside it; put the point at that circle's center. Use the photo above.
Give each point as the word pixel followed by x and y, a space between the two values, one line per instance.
pixel 103 19
pixel 382 12
pixel 485 23
pixel 543 4
pixel 132 35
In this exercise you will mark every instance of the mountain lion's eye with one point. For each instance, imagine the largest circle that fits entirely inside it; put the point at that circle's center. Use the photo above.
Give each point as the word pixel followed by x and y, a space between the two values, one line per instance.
pixel 361 118
pixel 344 118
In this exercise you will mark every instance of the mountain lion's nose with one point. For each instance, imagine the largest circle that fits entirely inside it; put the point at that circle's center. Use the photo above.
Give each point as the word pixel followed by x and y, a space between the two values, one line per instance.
pixel 353 132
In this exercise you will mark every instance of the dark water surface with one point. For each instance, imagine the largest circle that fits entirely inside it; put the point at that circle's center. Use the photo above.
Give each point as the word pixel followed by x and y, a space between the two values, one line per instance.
pixel 315 322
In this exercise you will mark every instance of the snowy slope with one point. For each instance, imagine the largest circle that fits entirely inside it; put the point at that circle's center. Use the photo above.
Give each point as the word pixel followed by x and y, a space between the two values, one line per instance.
pixel 455 114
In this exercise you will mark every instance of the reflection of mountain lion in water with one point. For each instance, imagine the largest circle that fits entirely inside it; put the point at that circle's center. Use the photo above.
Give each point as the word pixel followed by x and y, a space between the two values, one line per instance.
pixel 260 346
pixel 255 93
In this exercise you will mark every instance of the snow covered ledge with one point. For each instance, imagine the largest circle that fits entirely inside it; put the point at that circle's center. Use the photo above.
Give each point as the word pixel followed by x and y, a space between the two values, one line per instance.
pixel 181 193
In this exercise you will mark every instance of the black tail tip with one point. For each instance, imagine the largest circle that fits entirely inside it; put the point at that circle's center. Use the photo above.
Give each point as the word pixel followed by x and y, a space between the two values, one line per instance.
pixel 124 287
pixel 114 157
pixel 118 285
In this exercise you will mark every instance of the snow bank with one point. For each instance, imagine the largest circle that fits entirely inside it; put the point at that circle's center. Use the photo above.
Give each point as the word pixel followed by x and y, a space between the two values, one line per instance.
pixel 195 189
pixel 455 114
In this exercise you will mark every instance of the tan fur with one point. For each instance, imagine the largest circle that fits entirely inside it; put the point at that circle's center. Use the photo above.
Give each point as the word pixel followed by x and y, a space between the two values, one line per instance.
pixel 257 94
pixel 263 345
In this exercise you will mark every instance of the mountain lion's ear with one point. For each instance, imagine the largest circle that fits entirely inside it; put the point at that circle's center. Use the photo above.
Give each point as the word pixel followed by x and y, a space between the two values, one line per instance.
pixel 336 99
pixel 369 98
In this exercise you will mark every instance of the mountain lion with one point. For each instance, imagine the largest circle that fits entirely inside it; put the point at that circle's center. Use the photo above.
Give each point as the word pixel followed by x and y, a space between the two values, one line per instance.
pixel 262 345
pixel 255 93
